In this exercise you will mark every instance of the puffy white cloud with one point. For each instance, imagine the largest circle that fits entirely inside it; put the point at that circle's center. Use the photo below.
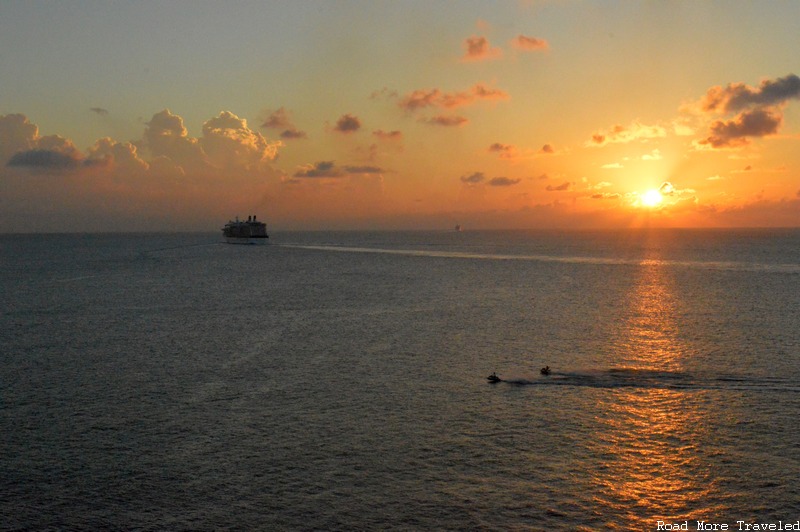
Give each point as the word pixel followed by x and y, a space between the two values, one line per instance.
pixel 166 136
pixel 106 152
pixel 230 143
pixel 16 134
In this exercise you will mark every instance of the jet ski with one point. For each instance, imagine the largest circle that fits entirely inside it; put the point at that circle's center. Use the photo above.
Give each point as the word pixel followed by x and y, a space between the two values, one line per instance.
pixel 493 378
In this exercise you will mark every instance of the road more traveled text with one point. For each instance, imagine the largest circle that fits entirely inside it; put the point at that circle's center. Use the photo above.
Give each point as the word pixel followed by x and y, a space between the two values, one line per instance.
pixel 738 525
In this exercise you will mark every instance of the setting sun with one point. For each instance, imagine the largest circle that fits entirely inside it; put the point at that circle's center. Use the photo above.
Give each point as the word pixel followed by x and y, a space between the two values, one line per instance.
pixel 651 198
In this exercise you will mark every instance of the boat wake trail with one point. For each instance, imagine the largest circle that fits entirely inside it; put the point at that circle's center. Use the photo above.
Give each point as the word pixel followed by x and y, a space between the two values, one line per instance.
pixel 603 261
pixel 654 379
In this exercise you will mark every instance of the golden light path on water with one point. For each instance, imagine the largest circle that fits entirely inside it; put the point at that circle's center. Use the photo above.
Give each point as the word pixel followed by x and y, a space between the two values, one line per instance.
pixel 650 438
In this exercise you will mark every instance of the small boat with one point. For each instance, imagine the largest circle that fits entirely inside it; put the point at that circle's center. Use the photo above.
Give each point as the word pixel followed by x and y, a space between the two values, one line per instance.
pixel 545 370
pixel 493 378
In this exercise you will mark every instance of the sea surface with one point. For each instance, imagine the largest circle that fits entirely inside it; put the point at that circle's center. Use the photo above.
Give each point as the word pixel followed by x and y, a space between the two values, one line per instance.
pixel 337 381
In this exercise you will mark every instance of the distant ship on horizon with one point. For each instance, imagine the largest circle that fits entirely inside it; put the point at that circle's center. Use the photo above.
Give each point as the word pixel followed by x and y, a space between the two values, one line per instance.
pixel 250 232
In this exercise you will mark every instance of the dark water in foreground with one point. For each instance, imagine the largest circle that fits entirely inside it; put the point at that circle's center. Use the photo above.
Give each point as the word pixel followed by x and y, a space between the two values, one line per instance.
pixel 336 381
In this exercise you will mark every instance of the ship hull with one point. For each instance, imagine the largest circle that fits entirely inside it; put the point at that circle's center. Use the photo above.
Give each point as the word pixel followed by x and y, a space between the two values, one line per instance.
pixel 255 241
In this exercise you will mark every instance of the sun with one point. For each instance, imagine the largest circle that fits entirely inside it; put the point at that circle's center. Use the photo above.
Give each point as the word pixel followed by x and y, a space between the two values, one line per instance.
pixel 651 198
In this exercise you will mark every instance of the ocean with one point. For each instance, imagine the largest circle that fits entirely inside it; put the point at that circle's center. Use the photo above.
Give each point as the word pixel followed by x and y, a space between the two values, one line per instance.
pixel 337 381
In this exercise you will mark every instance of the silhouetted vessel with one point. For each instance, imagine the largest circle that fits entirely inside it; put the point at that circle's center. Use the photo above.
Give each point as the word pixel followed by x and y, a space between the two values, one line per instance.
pixel 250 232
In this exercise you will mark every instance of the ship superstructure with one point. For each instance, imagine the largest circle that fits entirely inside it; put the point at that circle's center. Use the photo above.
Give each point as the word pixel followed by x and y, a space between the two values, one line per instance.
pixel 245 232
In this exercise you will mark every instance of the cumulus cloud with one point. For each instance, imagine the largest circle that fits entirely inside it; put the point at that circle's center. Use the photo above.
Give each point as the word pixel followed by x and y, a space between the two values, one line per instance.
pixel 612 166
pixel 280 119
pixel 16 134
pixel 166 136
pixel 605 195
pixel 347 124
pixel 759 111
pixel 230 143
pixel 111 154
pixel 329 169
pixel 503 181
pixel 448 121
pixel 758 122
pixel 99 110
pixel 530 44
pixel 320 169
pixel 624 134
pixel 505 151
pixel 565 186
pixel 737 96
pixel 43 159
pixel 423 98
pixel 22 147
pixel 547 149
pixel 477 48
pixel 473 178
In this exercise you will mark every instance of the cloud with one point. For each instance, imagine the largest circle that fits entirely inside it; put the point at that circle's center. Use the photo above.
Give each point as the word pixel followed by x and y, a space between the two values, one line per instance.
pixel 448 121
pixel 388 135
pixel 423 98
pixel 363 170
pixel 329 169
pixel 612 166
pixel 166 136
pixel 99 110
pixel 280 119
pixel 385 92
pixel 547 149
pixel 758 122
pixel 43 159
pixel 347 124
pixel 503 181
pixel 473 178
pixel 605 195
pixel 16 134
pixel 320 169
pixel 654 155
pixel 290 134
pixel 277 119
pixel 760 111
pixel 559 188
pixel 479 49
pixel 110 154
pixel 666 189
pixel 530 44
pixel 505 151
pixel 230 143
pixel 624 134
pixel 737 96
pixel 29 150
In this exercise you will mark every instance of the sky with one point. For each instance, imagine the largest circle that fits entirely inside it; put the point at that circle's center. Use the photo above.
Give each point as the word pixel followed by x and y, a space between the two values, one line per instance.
pixel 315 115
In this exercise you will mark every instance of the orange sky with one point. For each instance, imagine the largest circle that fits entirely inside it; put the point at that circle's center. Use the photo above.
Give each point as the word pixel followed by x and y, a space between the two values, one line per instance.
pixel 388 116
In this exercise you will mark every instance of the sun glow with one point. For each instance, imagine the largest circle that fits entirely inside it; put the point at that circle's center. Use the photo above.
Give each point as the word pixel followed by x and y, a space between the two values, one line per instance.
pixel 651 198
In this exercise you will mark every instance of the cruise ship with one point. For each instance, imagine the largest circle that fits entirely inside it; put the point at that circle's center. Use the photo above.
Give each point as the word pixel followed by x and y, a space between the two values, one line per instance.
pixel 250 232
